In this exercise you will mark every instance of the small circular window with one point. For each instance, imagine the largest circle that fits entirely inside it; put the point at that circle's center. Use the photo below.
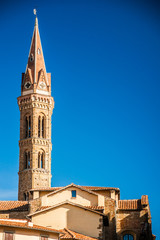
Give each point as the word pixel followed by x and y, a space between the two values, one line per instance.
pixel 39 51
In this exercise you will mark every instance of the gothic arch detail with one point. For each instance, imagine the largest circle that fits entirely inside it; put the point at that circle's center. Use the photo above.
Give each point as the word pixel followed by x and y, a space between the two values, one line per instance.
pixel 41 125
pixel 27 159
pixel 27 125
pixel 128 235
pixel 41 159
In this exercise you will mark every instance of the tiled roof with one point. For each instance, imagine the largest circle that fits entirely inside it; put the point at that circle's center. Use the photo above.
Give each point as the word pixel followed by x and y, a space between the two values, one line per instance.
pixel 129 204
pixel 92 188
pixel 69 234
pixel 46 189
pixel 48 208
pixel 43 207
pixel 14 206
pixel 21 223
pixel 72 185
pixel 97 208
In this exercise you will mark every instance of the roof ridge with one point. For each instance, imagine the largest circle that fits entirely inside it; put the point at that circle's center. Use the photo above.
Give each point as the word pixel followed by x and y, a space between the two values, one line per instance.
pixel 129 199
pixel 69 231
pixel 24 224
pixel 101 187
pixel 62 203
pixel 72 185
pixel 80 234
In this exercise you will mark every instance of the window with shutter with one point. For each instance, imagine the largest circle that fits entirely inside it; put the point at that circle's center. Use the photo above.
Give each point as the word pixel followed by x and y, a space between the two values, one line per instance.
pixel 8 236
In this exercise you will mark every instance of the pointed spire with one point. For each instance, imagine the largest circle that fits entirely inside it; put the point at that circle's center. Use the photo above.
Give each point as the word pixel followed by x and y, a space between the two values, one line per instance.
pixel 36 78
pixel 36 21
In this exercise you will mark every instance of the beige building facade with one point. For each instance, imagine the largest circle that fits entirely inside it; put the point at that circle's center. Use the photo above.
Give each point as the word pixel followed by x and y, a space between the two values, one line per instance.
pixel 25 230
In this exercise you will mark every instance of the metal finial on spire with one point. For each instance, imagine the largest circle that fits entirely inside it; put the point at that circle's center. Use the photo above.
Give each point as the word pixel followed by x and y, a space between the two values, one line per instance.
pixel 35 12
pixel 36 19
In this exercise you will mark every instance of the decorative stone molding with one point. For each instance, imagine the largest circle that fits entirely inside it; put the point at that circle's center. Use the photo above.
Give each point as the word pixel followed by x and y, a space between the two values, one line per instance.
pixel 38 141
pixel 36 170
pixel 35 100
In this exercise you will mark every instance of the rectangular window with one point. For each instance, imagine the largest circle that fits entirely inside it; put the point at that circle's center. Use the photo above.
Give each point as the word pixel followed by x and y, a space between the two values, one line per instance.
pixel 74 193
pixel 8 236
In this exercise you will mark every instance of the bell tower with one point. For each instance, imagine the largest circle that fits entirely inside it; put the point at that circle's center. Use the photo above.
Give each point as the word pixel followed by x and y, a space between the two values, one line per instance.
pixel 36 105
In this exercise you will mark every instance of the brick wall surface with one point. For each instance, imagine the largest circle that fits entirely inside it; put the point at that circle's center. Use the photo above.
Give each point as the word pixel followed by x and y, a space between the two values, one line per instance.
pixel 14 214
pixel 133 217
pixel 110 211
pixel 34 205
pixel 35 105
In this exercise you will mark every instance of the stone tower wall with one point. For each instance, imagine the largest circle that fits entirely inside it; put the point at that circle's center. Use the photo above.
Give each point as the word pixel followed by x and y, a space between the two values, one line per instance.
pixel 34 105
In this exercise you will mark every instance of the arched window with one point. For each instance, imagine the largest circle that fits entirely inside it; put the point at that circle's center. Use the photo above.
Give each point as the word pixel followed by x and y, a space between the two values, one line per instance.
pixel 27 126
pixel 41 160
pixel 128 237
pixel 27 196
pixel 24 196
pixel 27 160
pixel 41 126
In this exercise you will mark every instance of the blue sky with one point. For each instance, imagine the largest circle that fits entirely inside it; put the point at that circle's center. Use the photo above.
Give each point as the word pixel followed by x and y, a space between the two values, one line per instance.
pixel 104 57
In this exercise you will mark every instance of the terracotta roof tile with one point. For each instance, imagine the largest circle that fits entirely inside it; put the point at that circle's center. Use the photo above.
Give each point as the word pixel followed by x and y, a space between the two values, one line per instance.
pixel 72 185
pixel 48 208
pixel 14 206
pixel 43 207
pixel 129 204
pixel 85 187
pixel 46 189
pixel 92 188
pixel 21 223
pixel 95 207
pixel 69 234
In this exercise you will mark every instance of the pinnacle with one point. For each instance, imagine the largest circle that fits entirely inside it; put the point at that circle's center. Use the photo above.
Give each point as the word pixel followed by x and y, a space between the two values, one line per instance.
pixel 38 78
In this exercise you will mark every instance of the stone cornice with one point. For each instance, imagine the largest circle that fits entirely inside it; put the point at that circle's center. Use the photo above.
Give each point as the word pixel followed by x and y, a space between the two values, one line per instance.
pixel 35 170
pixel 35 100
pixel 36 141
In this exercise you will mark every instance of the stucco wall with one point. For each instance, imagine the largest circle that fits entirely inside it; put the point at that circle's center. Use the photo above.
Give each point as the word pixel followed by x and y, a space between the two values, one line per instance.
pixel 83 198
pixel 54 218
pixel 105 193
pixel 1 234
pixel 72 217
pixel 25 234
pixel 101 200
pixel 83 221
pixel 32 235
